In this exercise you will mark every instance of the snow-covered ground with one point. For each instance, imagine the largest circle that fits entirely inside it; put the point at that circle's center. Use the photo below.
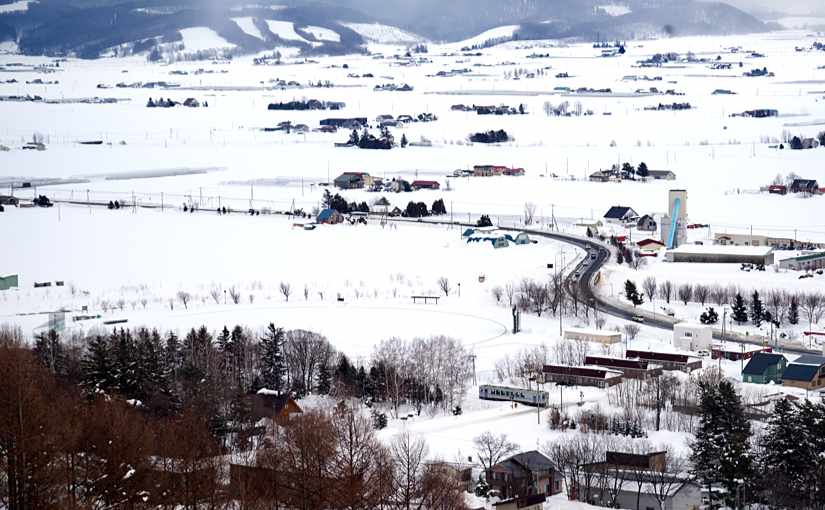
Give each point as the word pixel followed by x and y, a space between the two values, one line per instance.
pixel 247 24
pixel 220 156
pixel 383 34
pixel 285 30
pixel 203 38
pixel 18 6
pixel 323 34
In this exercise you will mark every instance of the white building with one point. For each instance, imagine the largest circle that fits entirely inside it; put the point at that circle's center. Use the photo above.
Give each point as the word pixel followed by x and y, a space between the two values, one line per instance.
pixel 718 254
pixel 593 335
pixel 690 336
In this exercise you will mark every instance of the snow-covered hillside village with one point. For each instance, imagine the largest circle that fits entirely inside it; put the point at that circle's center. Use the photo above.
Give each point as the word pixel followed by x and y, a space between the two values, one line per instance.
pixel 314 257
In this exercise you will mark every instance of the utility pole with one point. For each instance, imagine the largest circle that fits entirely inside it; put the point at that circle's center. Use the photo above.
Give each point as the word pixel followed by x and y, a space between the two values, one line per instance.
pixel 473 360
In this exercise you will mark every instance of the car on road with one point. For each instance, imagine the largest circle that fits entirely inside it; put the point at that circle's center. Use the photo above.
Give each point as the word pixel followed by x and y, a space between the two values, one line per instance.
pixel 703 353
pixel 637 318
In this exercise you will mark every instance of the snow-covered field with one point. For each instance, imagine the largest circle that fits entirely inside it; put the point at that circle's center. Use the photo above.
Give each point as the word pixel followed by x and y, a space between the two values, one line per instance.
pixel 220 156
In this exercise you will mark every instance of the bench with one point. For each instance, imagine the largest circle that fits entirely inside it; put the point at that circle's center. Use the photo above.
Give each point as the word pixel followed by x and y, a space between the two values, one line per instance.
pixel 426 299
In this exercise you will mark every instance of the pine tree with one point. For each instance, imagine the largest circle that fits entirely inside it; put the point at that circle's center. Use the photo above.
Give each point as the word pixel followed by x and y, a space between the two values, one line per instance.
pixel 793 311
pixel 125 364
pixel 324 379
pixel 272 358
pixel 403 140
pixel 704 449
pixel 738 312
pixel 632 293
pixel 785 457
pixel 96 366
pixel 642 171
pixel 49 350
pixel 757 310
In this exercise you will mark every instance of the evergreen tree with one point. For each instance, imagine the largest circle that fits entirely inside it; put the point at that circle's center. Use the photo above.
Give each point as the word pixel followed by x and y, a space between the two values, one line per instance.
pixel 324 379
pixel 757 310
pixel 49 350
pixel 403 140
pixel 793 310
pixel 273 367
pixel 709 316
pixel 720 451
pixel 125 364
pixel 326 201
pixel 172 357
pixel 96 366
pixel 738 312
pixel 785 458
pixel 345 377
pixel 642 171
pixel 632 293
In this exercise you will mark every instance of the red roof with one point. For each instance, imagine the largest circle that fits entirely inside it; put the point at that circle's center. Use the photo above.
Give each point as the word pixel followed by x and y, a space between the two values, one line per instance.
pixel 646 242
pixel 424 183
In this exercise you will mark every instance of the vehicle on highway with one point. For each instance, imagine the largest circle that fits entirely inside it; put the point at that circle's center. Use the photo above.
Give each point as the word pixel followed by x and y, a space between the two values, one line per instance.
pixel 703 353
pixel 637 318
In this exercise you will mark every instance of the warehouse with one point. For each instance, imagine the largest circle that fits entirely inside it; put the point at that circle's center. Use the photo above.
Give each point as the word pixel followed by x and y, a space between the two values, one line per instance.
pixel 630 368
pixel 581 376
pixel 807 262
pixel 719 254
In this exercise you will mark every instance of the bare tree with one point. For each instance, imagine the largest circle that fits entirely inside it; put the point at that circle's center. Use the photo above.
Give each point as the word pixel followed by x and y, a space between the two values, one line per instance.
pixel 636 261
pixel 529 212
pixel 286 290
pixel 666 478
pixel 184 297
pixel 811 305
pixel 718 295
pixel 144 302
pixel 498 292
pixel 510 292
pixel 306 293
pixel 700 293
pixel 408 458
pixel 666 290
pixel 631 330
pixel 215 294
pixel 649 286
pixel 235 295
pixel 685 293
pixel 492 449
pixel 776 300
pixel 444 285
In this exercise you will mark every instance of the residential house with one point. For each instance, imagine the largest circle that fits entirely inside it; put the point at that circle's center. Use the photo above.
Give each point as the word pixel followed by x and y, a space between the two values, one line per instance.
pixel 620 214
pixel 599 377
pixel 525 474
pixel 417 185
pixel 329 217
pixel 352 123
pixel 599 176
pixel 806 372
pixel 488 170
pixel 764 367
pixel 272 405
pixel 650 246
pixel 661 175
pixel 9 200
pixel 513 172
pixel 647 224
pixel 804 186
pixel 353 180
pixel 668 360
pixel 736 351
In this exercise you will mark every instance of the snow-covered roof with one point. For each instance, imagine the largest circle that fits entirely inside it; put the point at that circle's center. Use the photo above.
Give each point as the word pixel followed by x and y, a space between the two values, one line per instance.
pixel 592 332
pixel 711 249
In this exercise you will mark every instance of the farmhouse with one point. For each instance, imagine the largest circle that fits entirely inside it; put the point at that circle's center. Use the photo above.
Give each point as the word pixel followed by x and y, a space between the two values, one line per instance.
pixel 599 176
pixel 593 335
pixel 269 404
pixel 806 372
pixel 647 224
pixel 630 368
pixel 804 186
pixel 581 375
pixel 417 185
pixel 721 254
pixel 620 214
pixel 806 262
pixel 692 337
pixel 353 180
pixel 487 170
pixel 352 123
pixel 525 474
pixel 668 360
pixel 329 217
pixel 661 175
pixel 764 367
pixel 650 246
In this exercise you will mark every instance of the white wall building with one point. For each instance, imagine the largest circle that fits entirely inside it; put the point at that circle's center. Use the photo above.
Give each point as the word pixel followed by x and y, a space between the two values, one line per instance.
pixel 690 336
pixel 593 335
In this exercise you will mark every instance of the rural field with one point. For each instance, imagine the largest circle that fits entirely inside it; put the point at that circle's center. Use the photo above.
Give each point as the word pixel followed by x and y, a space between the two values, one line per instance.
pixel 232 213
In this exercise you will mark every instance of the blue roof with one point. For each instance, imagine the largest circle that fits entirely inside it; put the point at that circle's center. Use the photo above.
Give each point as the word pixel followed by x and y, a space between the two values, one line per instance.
pixel 760 362
pixel 325 214
pixel 800 372
pixel 810 359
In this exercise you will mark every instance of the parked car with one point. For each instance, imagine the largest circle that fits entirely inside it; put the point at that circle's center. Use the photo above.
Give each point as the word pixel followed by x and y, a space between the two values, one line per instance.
pixel 637 318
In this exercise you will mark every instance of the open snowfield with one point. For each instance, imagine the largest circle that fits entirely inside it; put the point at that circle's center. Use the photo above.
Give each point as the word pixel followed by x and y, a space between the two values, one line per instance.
pixel 220 156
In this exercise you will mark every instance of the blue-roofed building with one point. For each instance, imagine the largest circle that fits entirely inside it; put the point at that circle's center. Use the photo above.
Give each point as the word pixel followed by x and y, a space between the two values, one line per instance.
pixel 329 216
pixel 806 372
pixel 764 367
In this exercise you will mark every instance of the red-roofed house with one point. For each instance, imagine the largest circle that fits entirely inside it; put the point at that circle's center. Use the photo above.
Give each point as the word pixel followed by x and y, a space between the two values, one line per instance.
pixel 416 185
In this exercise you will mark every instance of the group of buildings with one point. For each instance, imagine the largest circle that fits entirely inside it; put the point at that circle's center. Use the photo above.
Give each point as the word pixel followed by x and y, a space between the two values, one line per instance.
pixel 490 171
pixel 806 372
pixel 497 238
pixel 363 180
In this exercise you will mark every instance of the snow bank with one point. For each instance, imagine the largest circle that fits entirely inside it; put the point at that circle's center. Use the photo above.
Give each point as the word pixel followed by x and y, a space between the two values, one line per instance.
pixel 248 26
pixel 614 9
pixel 203 38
